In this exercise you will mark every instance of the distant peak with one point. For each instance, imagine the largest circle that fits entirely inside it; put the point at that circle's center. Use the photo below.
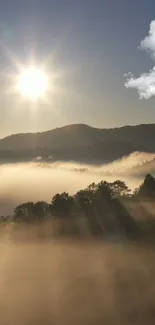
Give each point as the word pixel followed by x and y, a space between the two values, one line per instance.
pixel 78 125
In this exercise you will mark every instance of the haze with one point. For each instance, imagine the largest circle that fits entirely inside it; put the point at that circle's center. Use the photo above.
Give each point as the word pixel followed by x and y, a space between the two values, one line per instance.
pixel 35 181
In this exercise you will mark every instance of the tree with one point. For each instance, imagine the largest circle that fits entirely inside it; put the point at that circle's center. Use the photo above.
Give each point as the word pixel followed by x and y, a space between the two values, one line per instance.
pixel 114 215
pixel 41 210
pixel 119 189
pixel 104 190
pixel 24 212
pixel 62 205
pixel 31 212
pixel 88 205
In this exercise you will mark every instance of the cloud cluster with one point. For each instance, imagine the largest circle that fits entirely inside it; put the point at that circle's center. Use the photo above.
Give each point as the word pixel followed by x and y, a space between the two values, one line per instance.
pixel 148 44
pixel 145 83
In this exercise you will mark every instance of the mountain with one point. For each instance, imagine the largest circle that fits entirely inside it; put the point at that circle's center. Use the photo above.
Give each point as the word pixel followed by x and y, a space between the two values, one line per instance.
pixel 78 142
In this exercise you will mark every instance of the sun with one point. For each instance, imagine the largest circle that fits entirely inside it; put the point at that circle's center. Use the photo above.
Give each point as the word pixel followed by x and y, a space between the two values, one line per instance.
pixel 32 83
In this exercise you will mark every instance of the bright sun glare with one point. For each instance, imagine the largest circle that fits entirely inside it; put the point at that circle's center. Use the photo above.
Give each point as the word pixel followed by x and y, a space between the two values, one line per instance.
pixel 32 83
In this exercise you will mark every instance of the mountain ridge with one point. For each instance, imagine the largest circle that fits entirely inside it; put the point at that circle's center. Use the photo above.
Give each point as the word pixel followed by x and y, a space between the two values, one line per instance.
pixel 79 124
pixel 79 142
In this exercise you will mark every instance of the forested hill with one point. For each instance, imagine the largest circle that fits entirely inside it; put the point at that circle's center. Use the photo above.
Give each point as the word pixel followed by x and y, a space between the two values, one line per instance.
pixel 78 142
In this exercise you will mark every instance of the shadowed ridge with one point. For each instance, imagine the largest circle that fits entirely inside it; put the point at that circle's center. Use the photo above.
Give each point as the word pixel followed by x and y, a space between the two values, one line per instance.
pixel 79 143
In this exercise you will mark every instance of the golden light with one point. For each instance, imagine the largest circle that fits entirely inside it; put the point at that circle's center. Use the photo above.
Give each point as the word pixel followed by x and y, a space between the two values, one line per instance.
pixel 32 83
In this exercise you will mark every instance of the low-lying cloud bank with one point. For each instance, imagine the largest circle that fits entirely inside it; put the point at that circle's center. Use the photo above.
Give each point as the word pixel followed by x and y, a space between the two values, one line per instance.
pixel 40 181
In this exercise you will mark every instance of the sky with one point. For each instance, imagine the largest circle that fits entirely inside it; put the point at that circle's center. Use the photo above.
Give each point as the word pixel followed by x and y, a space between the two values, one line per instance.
pixel 88 45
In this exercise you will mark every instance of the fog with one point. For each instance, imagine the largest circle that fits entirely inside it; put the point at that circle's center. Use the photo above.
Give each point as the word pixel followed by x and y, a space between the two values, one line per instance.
pixel 38 180
pixel 71 284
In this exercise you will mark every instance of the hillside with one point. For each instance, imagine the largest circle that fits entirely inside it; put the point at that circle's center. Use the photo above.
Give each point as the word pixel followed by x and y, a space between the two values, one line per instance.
pixel 79 142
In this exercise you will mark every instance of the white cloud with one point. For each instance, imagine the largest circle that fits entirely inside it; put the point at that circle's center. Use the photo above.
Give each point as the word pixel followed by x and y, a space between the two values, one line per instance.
pixel 148 44
pixel 145 83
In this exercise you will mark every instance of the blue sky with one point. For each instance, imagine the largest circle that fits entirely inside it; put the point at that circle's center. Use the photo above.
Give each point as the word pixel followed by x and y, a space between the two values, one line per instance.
pixel 94 43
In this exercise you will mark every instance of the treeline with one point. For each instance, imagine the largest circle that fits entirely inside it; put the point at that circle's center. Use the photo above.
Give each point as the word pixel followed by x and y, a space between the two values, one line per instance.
pixel 99 210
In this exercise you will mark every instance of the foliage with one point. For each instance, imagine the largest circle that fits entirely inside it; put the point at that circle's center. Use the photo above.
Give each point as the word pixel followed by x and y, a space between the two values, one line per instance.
pixel 62 204
pixel 102 207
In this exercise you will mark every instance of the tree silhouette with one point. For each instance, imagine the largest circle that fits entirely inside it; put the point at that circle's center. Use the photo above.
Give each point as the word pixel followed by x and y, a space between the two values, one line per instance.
pixel 100 205
pixel 24 212
pixel 31 212
pixel 119 189
pixel 41 210
pixel 62 205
